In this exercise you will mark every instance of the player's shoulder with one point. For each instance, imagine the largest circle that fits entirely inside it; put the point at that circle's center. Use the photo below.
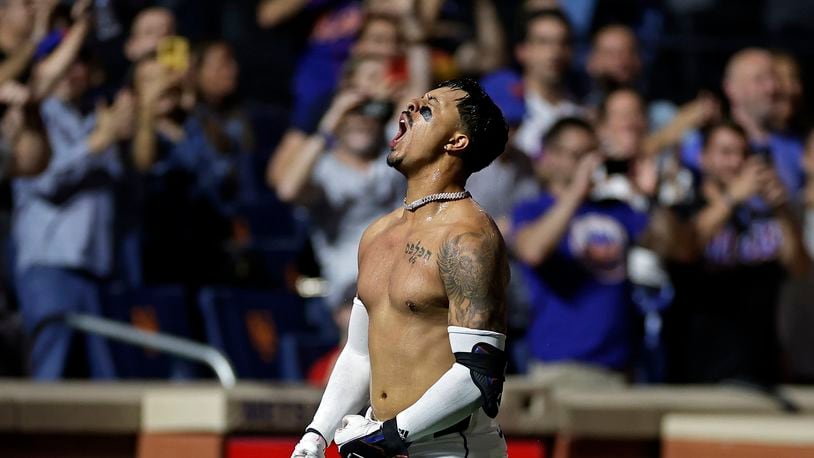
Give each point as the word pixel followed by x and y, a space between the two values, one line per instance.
pixel 474 229
pixel 377 227
pixel 473 218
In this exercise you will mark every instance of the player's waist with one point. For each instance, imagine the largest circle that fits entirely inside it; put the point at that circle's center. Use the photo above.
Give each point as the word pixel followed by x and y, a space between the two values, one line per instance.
pixel 475 423
pixel 459 427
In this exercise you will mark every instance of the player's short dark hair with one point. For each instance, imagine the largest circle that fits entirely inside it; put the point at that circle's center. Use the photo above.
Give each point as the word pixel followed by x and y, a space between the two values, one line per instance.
pixel 482 121
pixel 729 124
pixel 548 13
pixel 553 134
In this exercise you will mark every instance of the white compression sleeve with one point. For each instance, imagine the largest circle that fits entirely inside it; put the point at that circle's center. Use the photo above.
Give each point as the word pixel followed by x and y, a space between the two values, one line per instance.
pixel 454 395
pixel 348 389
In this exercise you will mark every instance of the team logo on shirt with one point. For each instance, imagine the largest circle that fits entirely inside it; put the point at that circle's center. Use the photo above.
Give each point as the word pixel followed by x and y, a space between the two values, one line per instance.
pixel 759 242
pixel 600 243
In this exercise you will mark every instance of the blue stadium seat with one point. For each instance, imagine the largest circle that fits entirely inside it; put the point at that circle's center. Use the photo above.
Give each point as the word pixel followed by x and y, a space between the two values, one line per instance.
pixel 270 219
pixel 276 234
pixel 257 329
pixel 155 308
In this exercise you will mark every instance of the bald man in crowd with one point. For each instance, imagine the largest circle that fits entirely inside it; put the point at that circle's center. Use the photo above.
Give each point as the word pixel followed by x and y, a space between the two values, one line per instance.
pixel 751 86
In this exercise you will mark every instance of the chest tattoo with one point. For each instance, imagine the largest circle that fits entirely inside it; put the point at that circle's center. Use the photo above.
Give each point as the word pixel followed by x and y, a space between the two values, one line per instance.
pixel 415 251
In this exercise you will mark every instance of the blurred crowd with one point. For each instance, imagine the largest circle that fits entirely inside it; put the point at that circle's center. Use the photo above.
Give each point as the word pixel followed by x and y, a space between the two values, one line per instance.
pixel 659 210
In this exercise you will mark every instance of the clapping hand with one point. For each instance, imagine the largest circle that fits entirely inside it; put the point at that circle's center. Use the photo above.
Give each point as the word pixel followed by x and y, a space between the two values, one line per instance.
pixel 113 123
pixel 747 183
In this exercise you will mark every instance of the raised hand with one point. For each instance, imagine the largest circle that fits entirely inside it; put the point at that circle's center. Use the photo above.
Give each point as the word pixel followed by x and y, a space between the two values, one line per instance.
pixel 14 93
pixel 747 183
pixel 153 80
pixel 343 102
pixel 702 110
pixel 123 114
pixel 582 180
pixel 113 123
pixel 772 189
pixel 81 9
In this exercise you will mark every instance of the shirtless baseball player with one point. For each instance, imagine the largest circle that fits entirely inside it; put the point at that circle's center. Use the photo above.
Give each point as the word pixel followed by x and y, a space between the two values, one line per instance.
pixel 426 338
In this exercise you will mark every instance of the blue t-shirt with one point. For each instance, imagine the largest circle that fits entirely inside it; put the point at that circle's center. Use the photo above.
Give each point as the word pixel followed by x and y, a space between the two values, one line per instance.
pixel 580 298
pixel 319 68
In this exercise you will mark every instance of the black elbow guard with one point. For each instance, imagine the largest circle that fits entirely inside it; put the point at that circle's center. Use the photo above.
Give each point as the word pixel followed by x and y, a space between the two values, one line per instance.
pixel 487 365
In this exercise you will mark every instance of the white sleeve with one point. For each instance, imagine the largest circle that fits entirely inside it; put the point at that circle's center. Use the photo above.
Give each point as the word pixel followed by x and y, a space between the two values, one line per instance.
pixel 454 396
pixel 348 389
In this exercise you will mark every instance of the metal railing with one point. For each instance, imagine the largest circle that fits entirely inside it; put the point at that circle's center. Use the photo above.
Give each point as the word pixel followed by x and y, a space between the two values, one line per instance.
pixel 176 346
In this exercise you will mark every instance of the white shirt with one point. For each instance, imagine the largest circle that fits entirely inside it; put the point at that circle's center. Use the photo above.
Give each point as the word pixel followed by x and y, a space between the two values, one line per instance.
pixel 540 115
pixel 350 200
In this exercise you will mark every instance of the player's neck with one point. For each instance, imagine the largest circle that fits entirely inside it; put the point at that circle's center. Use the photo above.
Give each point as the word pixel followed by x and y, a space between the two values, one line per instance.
pixel 432 183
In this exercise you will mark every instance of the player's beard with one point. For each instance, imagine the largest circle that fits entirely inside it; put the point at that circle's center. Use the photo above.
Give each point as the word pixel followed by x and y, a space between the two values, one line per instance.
pixel 394 161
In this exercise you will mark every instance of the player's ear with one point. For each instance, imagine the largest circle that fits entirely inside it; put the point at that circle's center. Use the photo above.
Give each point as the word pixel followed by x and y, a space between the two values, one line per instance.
pixel 456 143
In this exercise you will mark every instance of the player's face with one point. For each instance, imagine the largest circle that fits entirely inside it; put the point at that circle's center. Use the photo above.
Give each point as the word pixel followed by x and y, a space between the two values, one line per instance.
pixel 425 127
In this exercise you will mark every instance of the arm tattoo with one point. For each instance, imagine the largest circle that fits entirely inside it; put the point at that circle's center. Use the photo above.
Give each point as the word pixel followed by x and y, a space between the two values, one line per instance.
pixel 474 269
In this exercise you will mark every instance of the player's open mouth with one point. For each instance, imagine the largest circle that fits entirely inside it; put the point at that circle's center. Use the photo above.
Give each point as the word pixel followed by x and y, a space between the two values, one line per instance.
pixel 404 124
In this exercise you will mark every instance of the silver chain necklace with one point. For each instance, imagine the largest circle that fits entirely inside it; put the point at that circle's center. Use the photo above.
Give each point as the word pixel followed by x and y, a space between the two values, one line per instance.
pixel 412 206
